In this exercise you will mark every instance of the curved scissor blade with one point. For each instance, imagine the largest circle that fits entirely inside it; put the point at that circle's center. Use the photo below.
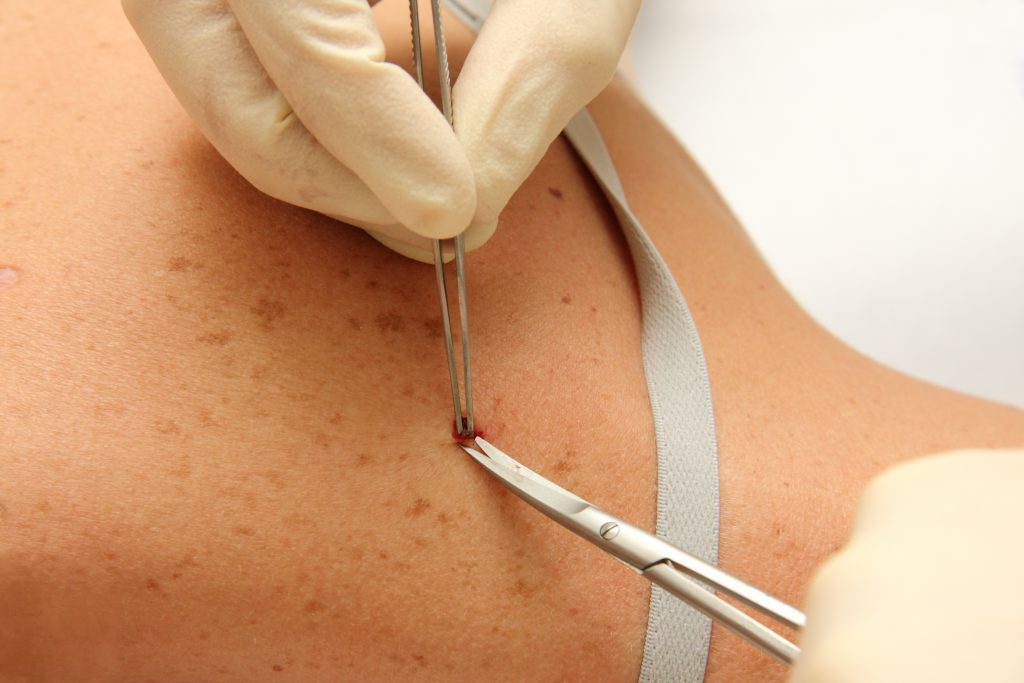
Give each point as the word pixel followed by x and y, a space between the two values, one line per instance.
pixel 547 497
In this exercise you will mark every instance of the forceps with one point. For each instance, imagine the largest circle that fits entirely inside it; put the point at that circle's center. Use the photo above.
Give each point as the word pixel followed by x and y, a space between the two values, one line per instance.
pixel 662 563
pixel 463 419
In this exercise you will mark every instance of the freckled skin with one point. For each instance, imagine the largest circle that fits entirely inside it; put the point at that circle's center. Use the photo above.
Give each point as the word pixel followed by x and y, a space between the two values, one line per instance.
pixel 215 338
pixel 390 321
pixel 178 264
pixel 173 506
pixel 269 312
pixel 418 508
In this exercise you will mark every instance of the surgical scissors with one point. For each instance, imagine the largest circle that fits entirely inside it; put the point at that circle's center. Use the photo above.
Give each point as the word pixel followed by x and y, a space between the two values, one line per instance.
pixel 662 563
pixel 463 419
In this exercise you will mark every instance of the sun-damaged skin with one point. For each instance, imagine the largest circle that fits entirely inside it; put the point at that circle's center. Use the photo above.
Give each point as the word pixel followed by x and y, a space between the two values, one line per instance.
pixel 224 433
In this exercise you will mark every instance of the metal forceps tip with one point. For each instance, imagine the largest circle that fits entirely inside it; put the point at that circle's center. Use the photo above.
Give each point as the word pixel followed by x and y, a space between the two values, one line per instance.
pixel 463 417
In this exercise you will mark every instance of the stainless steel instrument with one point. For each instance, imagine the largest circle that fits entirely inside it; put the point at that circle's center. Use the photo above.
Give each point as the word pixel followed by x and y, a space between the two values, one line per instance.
pixel 463 416
pixel 681 574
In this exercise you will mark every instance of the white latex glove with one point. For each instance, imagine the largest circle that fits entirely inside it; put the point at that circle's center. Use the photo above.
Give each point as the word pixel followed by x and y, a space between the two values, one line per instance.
pixel 296 96
pixel 534 65
pixel 931 586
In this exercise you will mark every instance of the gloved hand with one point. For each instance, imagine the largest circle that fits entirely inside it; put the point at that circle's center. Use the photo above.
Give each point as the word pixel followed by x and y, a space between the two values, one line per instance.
pixel 535 64
pixel 296 96
pixel 931 586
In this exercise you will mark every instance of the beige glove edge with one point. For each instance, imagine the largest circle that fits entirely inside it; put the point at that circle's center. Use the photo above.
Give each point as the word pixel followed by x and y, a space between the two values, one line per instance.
pixel 930 586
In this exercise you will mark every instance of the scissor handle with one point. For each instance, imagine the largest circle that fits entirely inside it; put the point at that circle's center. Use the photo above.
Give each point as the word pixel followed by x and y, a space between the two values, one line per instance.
pixel 669 577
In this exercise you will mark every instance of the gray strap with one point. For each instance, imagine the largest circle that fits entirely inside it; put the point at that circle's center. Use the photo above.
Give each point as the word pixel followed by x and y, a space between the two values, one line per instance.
pixel 678 636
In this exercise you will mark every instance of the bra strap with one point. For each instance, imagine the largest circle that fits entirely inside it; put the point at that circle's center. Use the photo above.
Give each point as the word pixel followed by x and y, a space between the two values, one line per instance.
pixel 678 637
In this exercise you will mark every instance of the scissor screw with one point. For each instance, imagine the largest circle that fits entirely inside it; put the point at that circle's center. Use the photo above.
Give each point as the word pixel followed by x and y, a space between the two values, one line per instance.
pixel 609 530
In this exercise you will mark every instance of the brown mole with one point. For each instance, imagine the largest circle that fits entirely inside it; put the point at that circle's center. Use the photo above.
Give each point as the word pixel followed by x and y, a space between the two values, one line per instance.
pixel 390 321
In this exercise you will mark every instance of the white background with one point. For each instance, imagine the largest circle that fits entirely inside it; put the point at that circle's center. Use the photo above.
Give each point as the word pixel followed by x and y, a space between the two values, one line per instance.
pixel 875 152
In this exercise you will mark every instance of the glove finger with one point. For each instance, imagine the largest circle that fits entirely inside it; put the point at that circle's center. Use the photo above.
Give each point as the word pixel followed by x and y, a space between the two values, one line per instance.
pixel 420 248
pixel 207 61
pixel 326 56
pixel 535 64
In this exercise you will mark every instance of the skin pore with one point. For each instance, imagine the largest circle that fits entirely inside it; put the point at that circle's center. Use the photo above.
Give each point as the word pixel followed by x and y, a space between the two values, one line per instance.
pixel 225 435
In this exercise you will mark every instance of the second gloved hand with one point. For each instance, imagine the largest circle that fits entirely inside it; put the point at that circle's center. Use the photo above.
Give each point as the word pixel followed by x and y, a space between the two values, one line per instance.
pixel 929 587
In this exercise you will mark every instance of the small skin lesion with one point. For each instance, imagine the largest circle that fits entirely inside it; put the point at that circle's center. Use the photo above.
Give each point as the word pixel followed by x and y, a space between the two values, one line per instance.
pixel 523 589
pixel 563 466
pixel 8 277
pixel 433 327
pixel 215 338
pixel 314 606
pixel 390 321
pixel 167 427
pixel 179 264
pixel 418 508
pixel 269 312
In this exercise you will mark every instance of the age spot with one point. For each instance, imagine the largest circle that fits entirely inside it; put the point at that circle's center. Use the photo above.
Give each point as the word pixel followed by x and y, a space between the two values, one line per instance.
pixel 419 507
pixel 178 264
pixel 8 277
pixel 269 312
pixel 215 338
pixel 433 327
pixel 390 321
pixel 314 606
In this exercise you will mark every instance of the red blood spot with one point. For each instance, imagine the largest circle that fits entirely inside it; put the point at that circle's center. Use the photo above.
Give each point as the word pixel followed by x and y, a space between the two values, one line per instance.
pixel 465 438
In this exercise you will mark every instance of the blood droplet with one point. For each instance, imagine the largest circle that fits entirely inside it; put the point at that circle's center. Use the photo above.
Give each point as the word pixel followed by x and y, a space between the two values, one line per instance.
pixel 463 438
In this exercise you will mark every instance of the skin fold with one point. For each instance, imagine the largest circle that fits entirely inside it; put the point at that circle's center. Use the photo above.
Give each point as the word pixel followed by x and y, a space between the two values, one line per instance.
pixel 225 429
